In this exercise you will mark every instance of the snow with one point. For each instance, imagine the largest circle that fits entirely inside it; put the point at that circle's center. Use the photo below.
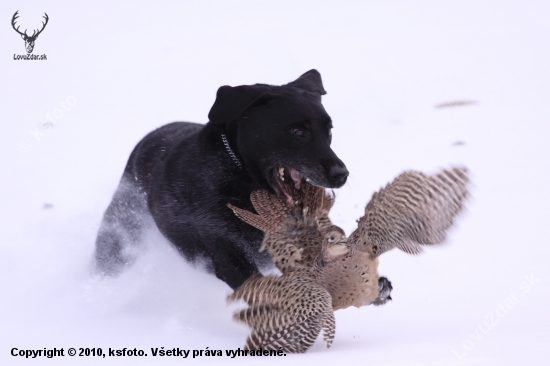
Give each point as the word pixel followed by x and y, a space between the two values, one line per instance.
pixel 116 71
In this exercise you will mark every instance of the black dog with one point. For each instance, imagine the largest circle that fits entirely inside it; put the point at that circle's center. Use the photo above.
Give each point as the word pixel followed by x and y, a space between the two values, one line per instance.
pixel 184 174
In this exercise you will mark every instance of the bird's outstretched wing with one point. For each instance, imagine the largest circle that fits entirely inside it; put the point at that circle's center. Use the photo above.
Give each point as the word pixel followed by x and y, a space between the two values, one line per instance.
pixel 414 209
pixel 296 336
pixel 285 312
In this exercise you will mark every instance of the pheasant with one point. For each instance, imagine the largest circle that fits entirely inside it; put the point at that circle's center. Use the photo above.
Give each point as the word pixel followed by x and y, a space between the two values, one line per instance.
pixel 322 270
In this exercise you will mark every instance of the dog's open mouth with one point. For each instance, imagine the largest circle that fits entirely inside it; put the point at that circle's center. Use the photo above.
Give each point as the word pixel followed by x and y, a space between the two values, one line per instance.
pixel 289 182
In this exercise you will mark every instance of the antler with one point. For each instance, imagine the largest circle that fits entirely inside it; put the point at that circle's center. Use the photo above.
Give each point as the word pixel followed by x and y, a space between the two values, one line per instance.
pixel 15 16
pixel 34 34
pixel 43 25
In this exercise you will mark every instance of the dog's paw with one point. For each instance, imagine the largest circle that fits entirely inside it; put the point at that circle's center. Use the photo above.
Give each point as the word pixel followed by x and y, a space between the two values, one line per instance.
pixel 384 292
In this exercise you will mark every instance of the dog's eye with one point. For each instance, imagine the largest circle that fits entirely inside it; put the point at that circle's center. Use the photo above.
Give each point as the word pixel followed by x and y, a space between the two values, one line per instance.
pixel 299 132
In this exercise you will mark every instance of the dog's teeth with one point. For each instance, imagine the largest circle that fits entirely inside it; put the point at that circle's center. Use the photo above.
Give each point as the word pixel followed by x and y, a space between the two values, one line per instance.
pixel 282 173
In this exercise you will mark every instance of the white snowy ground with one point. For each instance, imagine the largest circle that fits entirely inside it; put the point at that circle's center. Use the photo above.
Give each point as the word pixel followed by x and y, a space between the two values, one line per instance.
pixel 123 69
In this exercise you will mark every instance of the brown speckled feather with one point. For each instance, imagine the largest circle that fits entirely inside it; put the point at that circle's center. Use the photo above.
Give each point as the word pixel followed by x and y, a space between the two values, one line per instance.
pixel 293 235
pixel 351 277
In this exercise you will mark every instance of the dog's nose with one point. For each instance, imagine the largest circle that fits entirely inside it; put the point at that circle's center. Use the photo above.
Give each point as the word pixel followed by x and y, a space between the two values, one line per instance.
pixel 338 174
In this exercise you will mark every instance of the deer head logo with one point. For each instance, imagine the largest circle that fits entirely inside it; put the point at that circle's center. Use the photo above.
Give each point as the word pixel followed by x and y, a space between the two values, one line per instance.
pixel 29 40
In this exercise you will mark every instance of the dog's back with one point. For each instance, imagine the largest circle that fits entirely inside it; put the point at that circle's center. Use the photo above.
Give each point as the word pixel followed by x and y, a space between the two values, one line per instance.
pixel 150 153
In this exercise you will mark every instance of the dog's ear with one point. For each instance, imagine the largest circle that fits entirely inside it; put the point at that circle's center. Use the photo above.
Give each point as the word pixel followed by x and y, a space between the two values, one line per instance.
pixel 230 101
pixel 310 81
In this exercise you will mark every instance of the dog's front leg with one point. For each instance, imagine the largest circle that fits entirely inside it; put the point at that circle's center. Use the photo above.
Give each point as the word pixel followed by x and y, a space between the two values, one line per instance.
pixel 230 263
pixel 121 227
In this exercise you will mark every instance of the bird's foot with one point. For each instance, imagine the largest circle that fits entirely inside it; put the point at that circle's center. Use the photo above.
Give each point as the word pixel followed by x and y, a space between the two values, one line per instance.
pixel 384 292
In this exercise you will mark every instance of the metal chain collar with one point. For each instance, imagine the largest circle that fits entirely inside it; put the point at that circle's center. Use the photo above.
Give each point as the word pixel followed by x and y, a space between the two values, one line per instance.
pixel 230 152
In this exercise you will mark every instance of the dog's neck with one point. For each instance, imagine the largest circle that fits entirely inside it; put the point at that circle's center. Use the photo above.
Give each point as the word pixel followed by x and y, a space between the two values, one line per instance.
pixel 230 152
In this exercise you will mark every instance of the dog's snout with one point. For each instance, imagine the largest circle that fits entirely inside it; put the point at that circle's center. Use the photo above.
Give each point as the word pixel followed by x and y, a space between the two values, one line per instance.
pixel 338 174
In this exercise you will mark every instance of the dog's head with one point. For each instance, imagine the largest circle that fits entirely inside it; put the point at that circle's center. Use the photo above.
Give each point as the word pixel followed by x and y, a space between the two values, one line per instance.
pixel 282 134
